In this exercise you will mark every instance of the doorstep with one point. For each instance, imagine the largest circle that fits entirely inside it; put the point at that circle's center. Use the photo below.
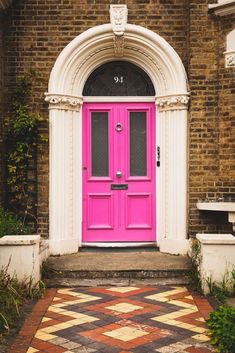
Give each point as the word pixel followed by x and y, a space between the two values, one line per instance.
pixel 116 268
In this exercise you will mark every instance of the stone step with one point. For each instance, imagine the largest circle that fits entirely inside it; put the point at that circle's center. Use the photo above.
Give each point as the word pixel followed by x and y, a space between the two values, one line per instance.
pixel 116 268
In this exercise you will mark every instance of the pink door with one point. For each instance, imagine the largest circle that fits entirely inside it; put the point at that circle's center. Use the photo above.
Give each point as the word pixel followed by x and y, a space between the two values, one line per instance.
pixel 119 172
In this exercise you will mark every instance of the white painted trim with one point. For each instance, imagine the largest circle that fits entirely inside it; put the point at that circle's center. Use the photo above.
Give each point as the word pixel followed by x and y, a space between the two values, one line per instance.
pixel 119 99
pixel 119 245
pixel 223 8
pixel 76 62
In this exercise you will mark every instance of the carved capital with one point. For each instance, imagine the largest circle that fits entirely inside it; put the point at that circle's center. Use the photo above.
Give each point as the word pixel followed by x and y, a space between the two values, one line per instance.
pixel 229 59
pixel 172 102
pixel 118 18
pixel 63 101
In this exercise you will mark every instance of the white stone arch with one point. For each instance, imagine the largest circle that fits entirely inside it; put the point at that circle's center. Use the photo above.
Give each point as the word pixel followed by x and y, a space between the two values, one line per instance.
pixel 69 74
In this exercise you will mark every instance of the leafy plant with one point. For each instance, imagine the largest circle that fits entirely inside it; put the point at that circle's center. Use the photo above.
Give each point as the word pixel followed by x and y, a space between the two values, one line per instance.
pixel 13 294
pixel 11 224
pixel 195 262
pixel 225 288
pixel 22 137
pixel 222 329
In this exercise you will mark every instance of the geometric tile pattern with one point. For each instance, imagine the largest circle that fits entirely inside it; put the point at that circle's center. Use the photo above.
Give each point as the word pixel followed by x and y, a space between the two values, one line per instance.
pixel 118 320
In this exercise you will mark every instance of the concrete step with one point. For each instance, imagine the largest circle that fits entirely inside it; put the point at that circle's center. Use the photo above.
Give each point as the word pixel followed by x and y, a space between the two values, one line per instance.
pixel 116 268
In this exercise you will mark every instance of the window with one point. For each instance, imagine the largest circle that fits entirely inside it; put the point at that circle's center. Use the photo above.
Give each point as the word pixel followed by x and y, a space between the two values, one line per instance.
pixel 119 78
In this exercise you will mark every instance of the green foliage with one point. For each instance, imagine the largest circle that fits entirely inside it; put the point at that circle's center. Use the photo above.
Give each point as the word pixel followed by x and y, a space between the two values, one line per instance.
pixel 222 329
pixel 22 137
pixel 13 294
pixel 11 224
pixel 224 289
pixel 195 262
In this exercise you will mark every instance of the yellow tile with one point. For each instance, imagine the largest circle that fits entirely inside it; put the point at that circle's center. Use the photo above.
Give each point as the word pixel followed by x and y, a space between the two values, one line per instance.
pixel 186 326
pixel 45 336
pixel 126 334
pixel 157 298
pixel 32 350
pixel 175 315
pixel 181 304
pixel 201 337
pixel 122 289
pixel 163 318
pixel 192 309
pixel 82 320
pixel 55 309
pixel 75 315
pixel 124 307
pixel 80 296
pixel 46 319
pixel 57 327
pixel 201 319
pixel 56 298
pixel 199 329
pixel 173 322
pixel 39 333
pixel 49 329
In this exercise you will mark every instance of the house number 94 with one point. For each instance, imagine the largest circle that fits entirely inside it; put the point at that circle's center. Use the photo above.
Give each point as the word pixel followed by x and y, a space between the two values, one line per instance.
pixel 118 79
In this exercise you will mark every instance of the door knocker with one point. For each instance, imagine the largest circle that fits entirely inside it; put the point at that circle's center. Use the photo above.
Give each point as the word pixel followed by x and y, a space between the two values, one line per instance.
pixel 119 127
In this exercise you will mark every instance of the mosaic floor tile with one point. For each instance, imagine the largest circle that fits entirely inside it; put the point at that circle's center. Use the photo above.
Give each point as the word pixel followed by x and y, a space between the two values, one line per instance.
pixel 120 320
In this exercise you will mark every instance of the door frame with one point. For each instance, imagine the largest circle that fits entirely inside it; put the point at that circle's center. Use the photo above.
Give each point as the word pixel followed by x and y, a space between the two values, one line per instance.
pixel 131 106
pixel 79 58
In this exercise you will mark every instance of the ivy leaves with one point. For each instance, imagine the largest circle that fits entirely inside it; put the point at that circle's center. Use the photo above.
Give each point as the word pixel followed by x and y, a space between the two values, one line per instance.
pixel 22 137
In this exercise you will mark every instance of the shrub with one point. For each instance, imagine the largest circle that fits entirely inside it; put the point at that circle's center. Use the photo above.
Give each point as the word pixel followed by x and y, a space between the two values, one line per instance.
pixel 11 225
pixel 222 329
pixel 13 294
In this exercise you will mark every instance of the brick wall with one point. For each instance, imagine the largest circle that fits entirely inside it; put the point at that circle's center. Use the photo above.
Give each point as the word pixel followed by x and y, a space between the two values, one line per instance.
pixel 211 145
pixel 1 111
pixel 35 32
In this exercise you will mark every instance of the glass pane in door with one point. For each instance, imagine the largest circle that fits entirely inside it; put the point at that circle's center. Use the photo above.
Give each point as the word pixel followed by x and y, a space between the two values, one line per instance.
pixel 138 149
pixel 99 144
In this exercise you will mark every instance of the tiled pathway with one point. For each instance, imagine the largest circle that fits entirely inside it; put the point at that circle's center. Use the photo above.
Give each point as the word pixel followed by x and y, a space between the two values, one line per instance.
pixel 116 320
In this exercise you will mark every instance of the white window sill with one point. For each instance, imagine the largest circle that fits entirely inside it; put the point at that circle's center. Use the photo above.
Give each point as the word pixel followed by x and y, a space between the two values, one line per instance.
pixel 224 8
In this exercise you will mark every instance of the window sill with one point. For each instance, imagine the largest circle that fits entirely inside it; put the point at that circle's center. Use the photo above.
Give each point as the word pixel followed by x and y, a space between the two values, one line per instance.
pixel 223 9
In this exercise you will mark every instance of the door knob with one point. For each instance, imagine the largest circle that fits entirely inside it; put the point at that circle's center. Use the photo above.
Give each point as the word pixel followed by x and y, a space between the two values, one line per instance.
pixel 119 174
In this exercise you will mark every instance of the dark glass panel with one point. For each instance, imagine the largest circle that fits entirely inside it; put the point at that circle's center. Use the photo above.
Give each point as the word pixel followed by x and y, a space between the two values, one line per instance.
pixel 119 78
pixel 138 147
pixel 99 144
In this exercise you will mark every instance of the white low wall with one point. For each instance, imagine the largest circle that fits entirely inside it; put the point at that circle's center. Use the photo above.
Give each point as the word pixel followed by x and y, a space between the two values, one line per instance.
pixel 21 253
pixel 217 257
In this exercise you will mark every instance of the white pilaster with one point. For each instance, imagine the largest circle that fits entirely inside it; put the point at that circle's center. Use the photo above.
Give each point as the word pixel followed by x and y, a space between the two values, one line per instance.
pixel 172 174
pixel 65 188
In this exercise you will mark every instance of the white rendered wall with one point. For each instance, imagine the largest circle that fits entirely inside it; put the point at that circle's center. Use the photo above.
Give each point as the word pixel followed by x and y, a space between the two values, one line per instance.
pixel 217 258
pixel 20 255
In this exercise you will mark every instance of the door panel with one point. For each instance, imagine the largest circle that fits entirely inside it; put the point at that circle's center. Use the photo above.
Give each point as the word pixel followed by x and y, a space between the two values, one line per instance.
pixel 119 172
pixel 138 211
pixel 100 211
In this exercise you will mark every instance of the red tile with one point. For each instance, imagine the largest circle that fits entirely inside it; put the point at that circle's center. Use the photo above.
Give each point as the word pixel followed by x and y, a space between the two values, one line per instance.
pixel 55 349
pixel 39 344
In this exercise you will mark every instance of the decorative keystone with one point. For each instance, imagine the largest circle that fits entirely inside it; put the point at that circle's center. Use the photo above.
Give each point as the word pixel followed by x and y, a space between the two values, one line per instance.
pixel 118 19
